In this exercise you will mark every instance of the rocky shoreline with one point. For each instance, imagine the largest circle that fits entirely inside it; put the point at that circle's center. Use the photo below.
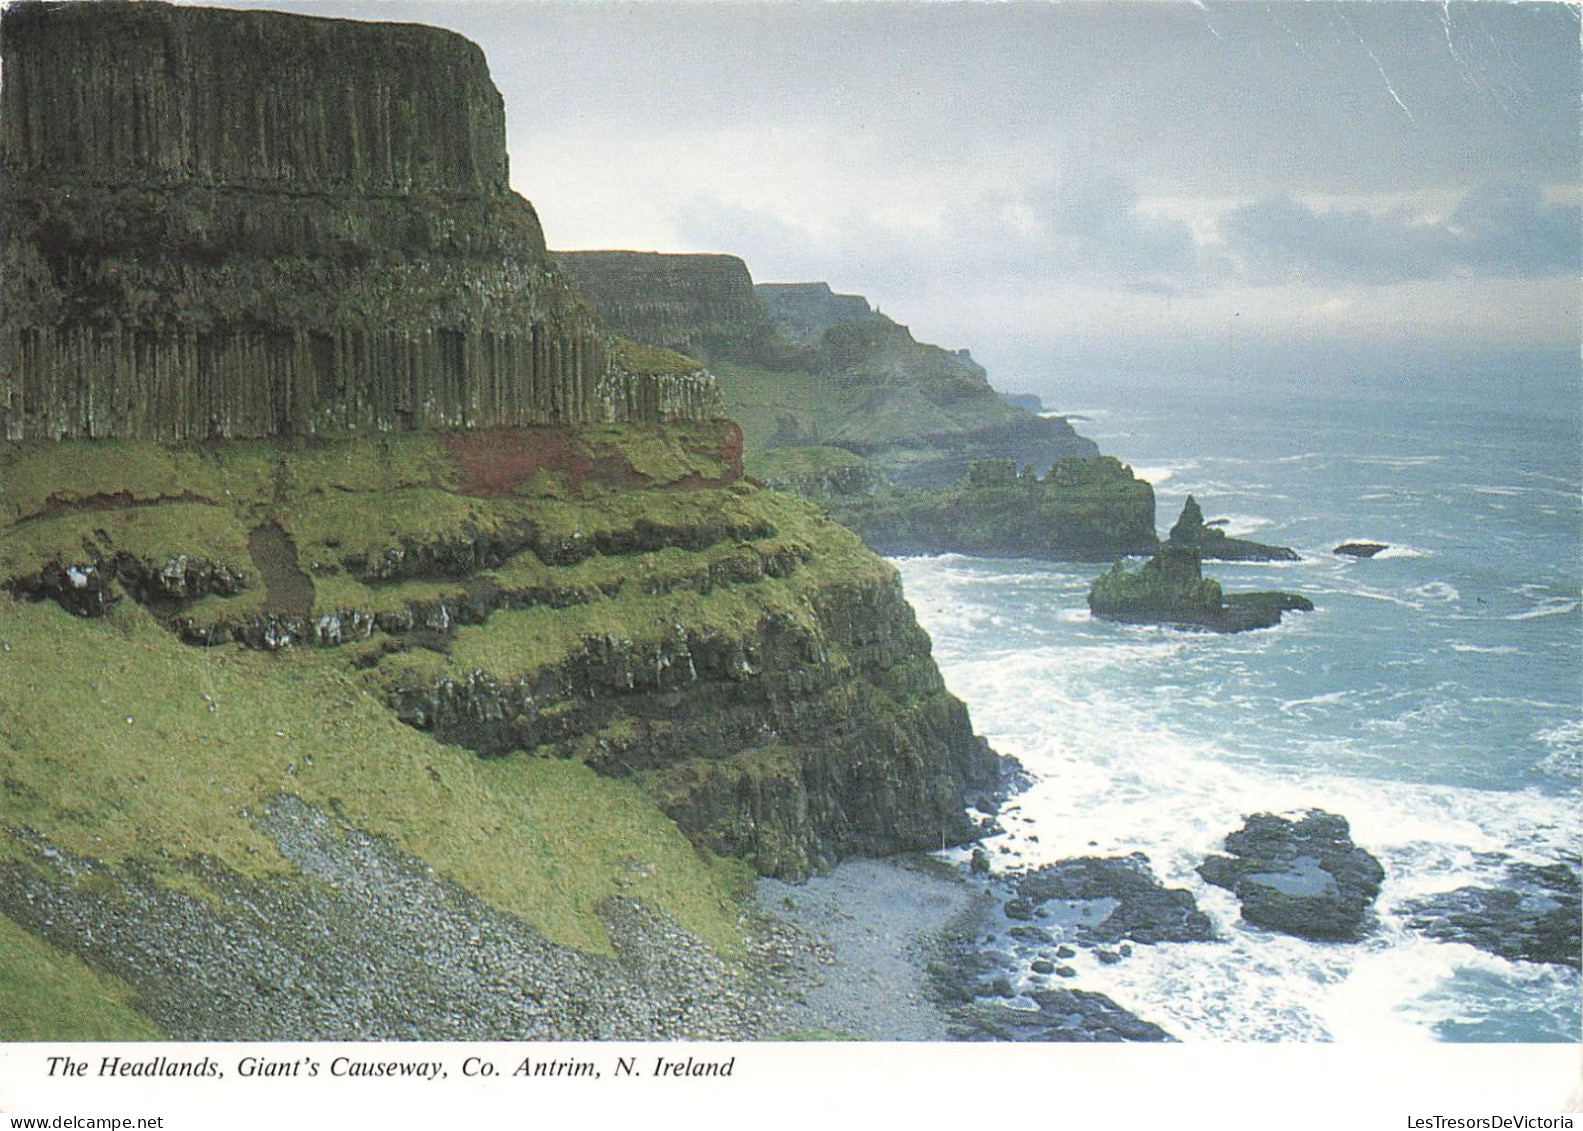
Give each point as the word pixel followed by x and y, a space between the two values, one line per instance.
pixel 367 942
pixel 913 949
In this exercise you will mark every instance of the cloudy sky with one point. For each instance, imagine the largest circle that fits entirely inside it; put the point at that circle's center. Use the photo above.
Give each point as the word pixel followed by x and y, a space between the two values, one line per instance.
pixel 1061 186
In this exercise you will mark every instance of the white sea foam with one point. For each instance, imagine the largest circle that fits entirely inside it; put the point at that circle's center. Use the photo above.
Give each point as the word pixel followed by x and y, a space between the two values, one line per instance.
pixel 1389 598
pixel 1328 700
pixel 1437 591
pixel 1565 744
pixel 1155 475
pixel 1553 607
pixel 1077 413
pixel 1114 776
pixel 1238 525
pixel 1402 552
pixel 1399 463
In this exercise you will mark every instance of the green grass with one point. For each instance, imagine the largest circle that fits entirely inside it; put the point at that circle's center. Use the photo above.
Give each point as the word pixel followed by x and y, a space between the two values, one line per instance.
pixel 331 527
pixel 802 460
pixel 635 357
pixel 340 593
pixel 121 744
pixel 48 995
pixel 518 642
pixel 374 464
pixel 757 399
pixel 31 475
pixel 661 454
pixel 108 746
pixel 153 534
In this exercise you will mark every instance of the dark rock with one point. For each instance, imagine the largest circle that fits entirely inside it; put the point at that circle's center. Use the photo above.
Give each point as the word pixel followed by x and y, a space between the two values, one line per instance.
pixel 1145 911
pixel 1065 972
pixel 1533 917
pixel 1170 589
pixel 1065 952
pixel 82 588
pixel 1302 877
pixel 1043 966
pixel 1064 1015
pixel 1031 935
pixel 1106 957
pixel 979 864
pixel 1193 533
pixel 1360 549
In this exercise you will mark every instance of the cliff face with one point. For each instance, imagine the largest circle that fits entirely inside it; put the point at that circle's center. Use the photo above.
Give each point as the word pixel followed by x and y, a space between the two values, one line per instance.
pixel 802 312
pixel 700 305
pixel 146 94
pixel 227 224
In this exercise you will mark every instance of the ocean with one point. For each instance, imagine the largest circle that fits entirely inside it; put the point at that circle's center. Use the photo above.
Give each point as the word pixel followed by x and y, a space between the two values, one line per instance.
pixel 1434 698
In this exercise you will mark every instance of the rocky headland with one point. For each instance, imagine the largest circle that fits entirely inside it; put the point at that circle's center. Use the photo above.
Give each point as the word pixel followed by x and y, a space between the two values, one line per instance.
pixel 1082 509
pixel 1171 589
pixel 801 366
pixel 350 565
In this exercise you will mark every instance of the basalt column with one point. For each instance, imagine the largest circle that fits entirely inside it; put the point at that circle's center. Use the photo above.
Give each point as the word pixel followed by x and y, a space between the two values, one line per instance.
pixel 227 224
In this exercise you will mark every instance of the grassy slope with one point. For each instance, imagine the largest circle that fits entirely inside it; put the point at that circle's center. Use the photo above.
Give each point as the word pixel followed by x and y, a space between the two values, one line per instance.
pixel 757 398
pixel 46 995
pixel 120 743
pixel 778 462
pixel 110 748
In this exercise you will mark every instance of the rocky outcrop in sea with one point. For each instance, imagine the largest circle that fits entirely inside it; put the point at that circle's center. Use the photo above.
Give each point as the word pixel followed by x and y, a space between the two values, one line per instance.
pixel 1302 877
pixel 1170 589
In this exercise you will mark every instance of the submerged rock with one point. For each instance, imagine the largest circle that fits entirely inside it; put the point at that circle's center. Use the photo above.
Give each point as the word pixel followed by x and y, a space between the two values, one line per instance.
pixel 1064 1015
pixel 1533 918
pixel 1145 910
pixel 1302 877
pixel 1193 533
pixel 1171 589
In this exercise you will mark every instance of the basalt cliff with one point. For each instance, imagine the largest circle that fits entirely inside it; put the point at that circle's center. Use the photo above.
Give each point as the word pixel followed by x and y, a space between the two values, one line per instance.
pixel 389 647
pixel 214 227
